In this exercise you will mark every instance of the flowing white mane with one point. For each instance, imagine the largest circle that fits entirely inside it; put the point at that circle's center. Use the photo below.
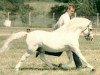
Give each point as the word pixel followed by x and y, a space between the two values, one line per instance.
pixel 74 24
pixel 79 22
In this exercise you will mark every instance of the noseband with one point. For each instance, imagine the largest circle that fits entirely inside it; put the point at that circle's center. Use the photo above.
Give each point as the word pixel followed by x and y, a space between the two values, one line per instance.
pixel 87 36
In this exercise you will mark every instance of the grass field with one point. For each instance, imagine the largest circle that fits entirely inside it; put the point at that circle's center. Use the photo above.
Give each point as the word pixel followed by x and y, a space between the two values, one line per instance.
pixel 34 66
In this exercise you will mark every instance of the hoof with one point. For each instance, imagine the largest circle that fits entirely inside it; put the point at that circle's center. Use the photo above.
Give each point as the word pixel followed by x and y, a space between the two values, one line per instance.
pixel 17 70
pixel 93 70
pixel 63 66
pixel 54 68
pixel 60 65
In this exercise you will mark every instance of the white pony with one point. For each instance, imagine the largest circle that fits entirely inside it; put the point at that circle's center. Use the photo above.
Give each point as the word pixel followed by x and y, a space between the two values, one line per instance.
pixel 63 39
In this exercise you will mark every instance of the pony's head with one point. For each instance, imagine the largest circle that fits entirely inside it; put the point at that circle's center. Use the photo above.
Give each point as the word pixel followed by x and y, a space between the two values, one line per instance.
pixel 88 32
pixel 85 25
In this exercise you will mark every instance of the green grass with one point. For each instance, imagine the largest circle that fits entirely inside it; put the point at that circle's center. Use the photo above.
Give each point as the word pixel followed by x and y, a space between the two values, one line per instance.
pixel 90 45
pixel 34 66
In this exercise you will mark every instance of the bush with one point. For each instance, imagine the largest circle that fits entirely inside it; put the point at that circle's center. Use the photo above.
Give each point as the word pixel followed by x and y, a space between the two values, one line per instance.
pixel 65 1
pixel 57 10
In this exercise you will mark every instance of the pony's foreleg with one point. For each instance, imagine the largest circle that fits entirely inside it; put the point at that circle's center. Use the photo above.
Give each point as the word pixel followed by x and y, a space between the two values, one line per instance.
pixel 70 57
pixel 42 57
pixel 21 61
pixel 78 52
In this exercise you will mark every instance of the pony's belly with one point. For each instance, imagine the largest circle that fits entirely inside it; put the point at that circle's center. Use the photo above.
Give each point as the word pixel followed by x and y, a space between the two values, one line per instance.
pixel 54 48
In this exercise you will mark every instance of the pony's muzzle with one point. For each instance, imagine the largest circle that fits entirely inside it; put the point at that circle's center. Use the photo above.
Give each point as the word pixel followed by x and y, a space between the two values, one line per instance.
pixel 89 37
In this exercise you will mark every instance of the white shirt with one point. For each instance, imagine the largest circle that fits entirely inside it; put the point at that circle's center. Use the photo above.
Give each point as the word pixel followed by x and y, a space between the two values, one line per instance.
pixel 64 19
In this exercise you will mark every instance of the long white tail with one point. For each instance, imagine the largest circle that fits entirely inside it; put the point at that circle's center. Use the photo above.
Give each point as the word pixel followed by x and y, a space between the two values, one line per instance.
pixel 11 38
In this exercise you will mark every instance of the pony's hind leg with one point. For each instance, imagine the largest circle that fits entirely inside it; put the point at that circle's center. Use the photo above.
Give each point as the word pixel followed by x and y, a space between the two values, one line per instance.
pixel 42 57
pixel 22 60
pixel 70 57
pixel 29 52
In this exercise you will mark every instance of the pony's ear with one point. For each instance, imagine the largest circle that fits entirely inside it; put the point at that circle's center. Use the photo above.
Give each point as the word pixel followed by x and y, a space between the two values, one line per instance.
pixel 90 25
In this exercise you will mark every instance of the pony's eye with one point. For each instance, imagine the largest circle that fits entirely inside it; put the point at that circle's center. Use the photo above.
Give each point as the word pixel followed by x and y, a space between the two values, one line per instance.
pixel 90 29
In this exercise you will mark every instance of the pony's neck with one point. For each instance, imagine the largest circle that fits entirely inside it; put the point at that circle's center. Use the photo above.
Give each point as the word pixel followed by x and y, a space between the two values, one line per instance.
pixel 78 32
pixel 66 28
pixel 71 29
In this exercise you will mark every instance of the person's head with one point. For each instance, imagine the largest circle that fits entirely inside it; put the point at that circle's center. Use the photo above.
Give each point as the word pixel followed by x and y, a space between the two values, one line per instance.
pixel 71 9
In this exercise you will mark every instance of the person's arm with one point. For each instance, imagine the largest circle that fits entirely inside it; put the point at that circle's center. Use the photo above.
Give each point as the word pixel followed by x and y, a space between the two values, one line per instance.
pixel 64 19
pixel 59 23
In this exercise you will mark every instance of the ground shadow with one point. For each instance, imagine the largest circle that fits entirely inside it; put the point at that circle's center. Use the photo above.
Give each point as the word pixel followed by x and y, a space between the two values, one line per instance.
pixel 45 68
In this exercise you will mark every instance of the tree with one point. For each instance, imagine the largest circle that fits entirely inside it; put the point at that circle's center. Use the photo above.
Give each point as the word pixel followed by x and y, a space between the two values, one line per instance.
pixel 16 1
pixel 98 5
pixel 10 5
pixel 86 8
pixel 16 7
pixel 57 10
pixel 65 1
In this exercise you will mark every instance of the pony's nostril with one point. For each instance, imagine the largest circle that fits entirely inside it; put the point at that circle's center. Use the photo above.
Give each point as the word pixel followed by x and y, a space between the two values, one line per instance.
pixel 91 39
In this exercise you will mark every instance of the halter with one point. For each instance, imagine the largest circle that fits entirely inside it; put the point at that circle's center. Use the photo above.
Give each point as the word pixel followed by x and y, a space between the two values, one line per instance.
pixel 89 30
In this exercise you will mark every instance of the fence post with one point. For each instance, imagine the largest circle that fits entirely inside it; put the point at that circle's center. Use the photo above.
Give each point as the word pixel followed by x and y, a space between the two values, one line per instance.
pixel 53 16
pixel 8 15
pixel 7 22
pixel 29 18
pixel 97 20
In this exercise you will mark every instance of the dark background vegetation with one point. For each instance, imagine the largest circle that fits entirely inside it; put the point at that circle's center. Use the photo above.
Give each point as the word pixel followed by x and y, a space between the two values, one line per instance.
pixel 23 7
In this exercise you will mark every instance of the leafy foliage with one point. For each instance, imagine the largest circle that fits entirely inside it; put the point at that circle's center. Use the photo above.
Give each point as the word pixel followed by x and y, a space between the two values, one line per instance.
pixel 83 8
pixel 57 10
pixel 16 1
pixel 16 6
pixel 10 5
pixel 98 5
pixel 65 1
